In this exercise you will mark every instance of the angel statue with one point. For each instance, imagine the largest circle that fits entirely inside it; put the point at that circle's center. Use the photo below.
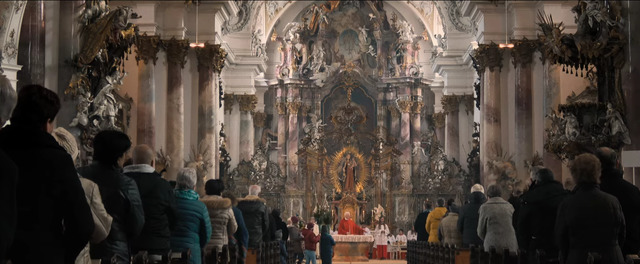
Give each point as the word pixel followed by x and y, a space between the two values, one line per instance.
pixel 106 105
pixel 616 125
pixel 82 116
pixel 571 127
pixel 417 149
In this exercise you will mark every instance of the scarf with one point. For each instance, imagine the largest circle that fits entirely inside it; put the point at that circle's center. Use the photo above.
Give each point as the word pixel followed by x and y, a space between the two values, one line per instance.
pixel 186 194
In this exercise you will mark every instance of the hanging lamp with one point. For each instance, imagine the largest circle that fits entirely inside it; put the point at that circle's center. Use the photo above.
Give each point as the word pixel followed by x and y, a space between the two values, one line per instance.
pixel 506 43
pixel 197 43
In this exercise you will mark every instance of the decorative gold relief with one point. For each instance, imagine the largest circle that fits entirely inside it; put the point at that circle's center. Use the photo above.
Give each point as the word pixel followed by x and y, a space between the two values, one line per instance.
pixel 488 55
pixel 282 108
pixel 450 103
pixel 211 56
pixel 417 107
pixel 247 102
pixel 293 107
pixel 229 100
pixel 438 119
pixel 395 113
pixel 405 106
pixel 259 119
pixel 177 50
pixel 147 48
pixel 522 52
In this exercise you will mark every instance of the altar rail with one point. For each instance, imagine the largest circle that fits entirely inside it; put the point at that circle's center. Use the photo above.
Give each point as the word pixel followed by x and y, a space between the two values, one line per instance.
pixel 420 252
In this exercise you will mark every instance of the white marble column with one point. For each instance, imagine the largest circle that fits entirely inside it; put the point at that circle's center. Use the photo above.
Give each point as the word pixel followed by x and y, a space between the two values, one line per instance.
pixel 147 48
pixel 283 119
pixel 522 55
pixel 439 120
pixel 489 59
pixel 177 51
pixel 450 105
pixel 247 104
pixel 405 140
pixel 293 106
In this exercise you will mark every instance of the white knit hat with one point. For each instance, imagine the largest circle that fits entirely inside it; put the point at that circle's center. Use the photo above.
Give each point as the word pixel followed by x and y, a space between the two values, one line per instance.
pixel 66 141
pixel 477 188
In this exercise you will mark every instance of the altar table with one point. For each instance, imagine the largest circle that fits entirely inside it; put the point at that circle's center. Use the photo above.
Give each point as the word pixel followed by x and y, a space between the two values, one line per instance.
pixel 352 247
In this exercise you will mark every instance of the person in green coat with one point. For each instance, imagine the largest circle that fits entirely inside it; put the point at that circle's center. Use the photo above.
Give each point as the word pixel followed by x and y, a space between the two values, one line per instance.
pixel 193 226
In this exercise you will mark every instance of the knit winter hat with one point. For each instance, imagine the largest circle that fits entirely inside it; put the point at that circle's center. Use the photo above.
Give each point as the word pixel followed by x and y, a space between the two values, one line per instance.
pixel 309 225
pixel 66 141
pixel 294 220
pixel 477 188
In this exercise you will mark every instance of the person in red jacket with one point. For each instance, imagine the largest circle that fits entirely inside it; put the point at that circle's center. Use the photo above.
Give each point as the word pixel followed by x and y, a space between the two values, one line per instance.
pixel 310 241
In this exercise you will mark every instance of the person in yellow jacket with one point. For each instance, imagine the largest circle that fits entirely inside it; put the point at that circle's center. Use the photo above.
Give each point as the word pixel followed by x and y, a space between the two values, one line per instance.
pixel 433 220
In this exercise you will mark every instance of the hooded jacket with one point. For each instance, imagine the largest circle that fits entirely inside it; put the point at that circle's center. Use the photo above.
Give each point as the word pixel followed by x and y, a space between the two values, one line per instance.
pixel 628 195
pixel 53 218
pixel 256 219
pixel 310 239
pixel 223 222
pixel 193 226
pixel 433 221
pixel 536 220
pixel 448 231
pixel 159 207
pixel 468 220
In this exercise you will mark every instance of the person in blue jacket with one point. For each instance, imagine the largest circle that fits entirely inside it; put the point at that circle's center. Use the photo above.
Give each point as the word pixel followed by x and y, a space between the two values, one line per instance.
pixel 326 245
pixel 193 225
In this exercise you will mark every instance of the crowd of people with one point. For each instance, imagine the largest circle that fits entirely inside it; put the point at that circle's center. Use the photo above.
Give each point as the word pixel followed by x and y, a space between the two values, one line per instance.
pixel 596 221
pixel 54 212
pixel 118 205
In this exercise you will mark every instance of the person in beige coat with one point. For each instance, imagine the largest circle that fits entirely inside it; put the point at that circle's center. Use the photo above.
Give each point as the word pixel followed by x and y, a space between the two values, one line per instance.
pixel 101 219
pixel 223 222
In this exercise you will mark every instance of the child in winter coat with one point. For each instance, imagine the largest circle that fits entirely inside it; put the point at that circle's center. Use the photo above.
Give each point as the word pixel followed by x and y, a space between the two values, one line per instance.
pixel 326 246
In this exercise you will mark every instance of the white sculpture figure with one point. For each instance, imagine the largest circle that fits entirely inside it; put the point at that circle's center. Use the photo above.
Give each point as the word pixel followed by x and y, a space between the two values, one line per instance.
pixel 417 149
pixel 362 36
pixel 571 127
pixel 318 57
pixel 82 117
pixel 616 125
pixel 372 51
pixel 105 102
pixel 292 31
pixel 405 30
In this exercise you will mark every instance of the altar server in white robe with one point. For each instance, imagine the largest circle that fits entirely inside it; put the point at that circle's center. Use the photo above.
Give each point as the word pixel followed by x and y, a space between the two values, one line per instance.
pixel 401 238
pixel 381 232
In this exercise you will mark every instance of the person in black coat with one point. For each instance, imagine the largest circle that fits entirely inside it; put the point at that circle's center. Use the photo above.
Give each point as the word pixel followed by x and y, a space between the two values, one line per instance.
pixel 8 174
pixel 628 195
pixel 538 208
pixel 421 221
pixel 54 221
pixel 120 195
pixel 158 203
pixel 590 224
pixel 282 234
pixel 256 217
pixel 469 217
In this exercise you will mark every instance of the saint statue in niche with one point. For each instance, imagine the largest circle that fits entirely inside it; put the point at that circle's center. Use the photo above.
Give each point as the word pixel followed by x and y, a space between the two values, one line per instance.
pixel 349 171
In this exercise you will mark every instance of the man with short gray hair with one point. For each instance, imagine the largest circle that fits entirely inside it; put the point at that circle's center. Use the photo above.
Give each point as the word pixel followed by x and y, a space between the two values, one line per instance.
pixel 256 217
pixel 157 201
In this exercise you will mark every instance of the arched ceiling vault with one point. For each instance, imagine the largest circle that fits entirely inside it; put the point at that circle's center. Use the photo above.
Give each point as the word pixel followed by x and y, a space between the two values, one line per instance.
pixel 405 10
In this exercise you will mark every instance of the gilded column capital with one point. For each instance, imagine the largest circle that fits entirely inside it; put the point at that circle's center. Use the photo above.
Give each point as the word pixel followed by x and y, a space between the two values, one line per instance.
pixel 304 110
pixel 293 107
pixel 468 101
pixel 177 50
pixel 405 106
pixel 450 103
pixel 211 56
pixel 522 52
pixel 282 108
pixel 438 119
pixel 147 48
pixel 395 112
pixel 259 119
pixel 247 102
pixel 488 56
pixel 417 107
pixel 229 100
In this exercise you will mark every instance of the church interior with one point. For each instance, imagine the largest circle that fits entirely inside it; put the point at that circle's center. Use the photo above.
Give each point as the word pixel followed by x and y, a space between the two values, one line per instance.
pixel 366 107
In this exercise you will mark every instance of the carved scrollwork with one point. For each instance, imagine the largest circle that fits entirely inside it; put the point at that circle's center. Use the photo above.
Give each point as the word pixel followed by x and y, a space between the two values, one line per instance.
pixel 259 119
pixel 177 50
pixel 522 52
pixel 247 102
pixel 488 56
pixel 147 48
pixel 439 119
pixel 417 107
pixel 211 56
pixel 229 100
pixel 395 112
pixel 282 108
pixel 293 107
pixel 450 103
pixel 405 106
